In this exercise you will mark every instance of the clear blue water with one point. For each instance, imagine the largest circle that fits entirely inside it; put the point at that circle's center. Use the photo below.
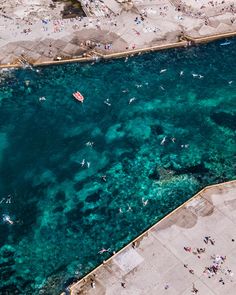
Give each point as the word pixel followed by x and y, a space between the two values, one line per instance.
pixel 64 213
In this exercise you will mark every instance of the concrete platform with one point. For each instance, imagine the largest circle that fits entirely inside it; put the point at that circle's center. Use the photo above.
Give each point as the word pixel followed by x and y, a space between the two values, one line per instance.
pixel 156 262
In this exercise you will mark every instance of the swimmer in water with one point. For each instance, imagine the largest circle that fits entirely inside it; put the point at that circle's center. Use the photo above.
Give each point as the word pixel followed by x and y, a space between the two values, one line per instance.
pixel 104 178
pixel 42 98
pixel 103 250
pixel 162 71
pixel 6 218
pixel 181 73
pixel 88 164
pixel 8 200
pixel 144 202
pixel 131 100
pixel 82 163
pixel 163 141
pixel 107 102
pixel 89 143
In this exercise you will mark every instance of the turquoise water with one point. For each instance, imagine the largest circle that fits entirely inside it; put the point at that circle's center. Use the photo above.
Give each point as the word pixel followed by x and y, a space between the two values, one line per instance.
pixel 158 139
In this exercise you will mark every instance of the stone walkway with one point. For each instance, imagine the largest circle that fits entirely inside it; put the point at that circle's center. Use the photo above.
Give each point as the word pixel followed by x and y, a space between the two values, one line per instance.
pixel 170 258
pixel 40 35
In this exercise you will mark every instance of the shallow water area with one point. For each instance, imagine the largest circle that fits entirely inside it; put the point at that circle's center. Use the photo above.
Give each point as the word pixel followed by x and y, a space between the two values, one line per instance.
pixel 76 178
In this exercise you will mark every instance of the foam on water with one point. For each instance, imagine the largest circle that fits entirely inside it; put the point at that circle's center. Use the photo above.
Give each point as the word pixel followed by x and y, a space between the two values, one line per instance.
pixel 157 138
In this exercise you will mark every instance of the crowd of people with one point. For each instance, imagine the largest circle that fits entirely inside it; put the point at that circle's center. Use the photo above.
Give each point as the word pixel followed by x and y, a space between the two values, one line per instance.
pixel 202 11
pixel 216 266
pixel 109 20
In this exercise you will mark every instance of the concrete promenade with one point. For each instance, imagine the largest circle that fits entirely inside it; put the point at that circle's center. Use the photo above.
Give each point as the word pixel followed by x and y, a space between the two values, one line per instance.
pixel 36 31
pixel 190 251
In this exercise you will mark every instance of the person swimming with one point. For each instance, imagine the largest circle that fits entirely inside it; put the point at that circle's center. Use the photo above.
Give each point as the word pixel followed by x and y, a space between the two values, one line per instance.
pixel 6 218
pixel 8 200
pixel 145 202
pixel 89 143
pixel 107 102
pixel 131 100
pixel 42 98
pixel 103 250
pixel 82 163
pixel 104 178
pixel 163 140
pixel 162 71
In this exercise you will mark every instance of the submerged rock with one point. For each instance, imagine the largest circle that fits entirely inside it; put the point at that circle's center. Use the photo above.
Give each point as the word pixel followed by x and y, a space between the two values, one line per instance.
pixel 225 119
pixel 154 175
pixel 195 169
pixel 93 197
pixel 157 129
pixel 10 289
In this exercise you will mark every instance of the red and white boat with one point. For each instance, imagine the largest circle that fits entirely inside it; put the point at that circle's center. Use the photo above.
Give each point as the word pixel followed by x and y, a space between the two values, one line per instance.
pixel 77 95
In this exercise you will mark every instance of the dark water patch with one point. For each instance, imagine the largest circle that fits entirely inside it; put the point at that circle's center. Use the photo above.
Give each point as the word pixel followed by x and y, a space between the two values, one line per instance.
pixel 196 169
pixel 75 214
pixel 58 209
pixel 157 129
pixel 78 186
pixel 225 119
pixel 88 212
pixel 154 175
pixel 7 253
pixel 10 289
pixel 94 197
pixel 70 281
pixel 10 262
pixel 60 196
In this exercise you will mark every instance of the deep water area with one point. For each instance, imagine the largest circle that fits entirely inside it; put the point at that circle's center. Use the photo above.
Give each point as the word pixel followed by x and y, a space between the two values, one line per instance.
pixel 76 178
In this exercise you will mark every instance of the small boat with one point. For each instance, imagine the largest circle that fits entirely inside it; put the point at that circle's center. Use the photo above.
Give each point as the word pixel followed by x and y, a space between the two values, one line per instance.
pixel 77 95
pixel 225 43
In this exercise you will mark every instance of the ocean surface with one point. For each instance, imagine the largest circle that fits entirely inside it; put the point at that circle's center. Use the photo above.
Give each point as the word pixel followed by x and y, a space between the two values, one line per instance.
pixel 76 178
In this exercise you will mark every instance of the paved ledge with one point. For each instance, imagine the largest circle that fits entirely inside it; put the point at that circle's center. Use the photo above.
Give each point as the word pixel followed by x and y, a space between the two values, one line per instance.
pixel 94 56
pixel 157 263
pixel 39 34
